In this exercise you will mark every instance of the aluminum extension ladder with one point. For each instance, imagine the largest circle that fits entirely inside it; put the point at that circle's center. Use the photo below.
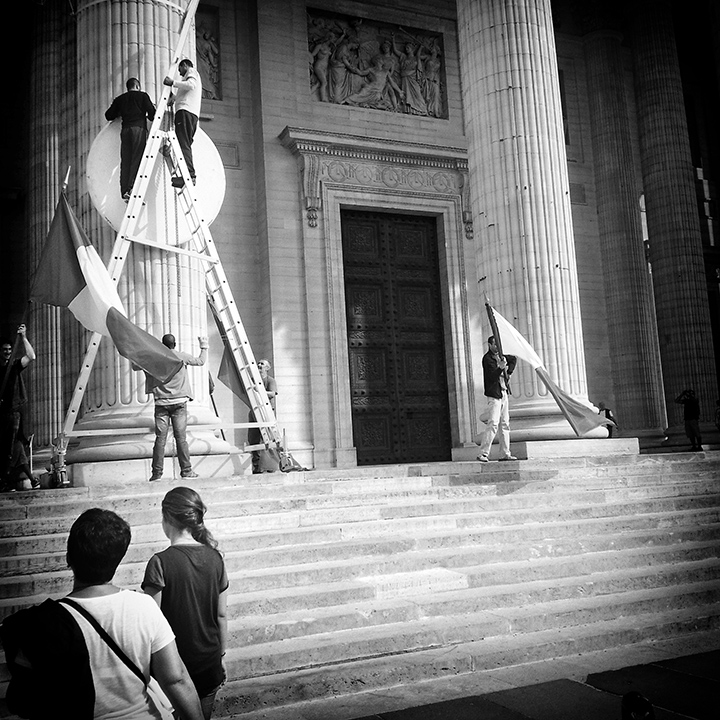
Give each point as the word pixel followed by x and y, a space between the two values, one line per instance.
pixel 164 143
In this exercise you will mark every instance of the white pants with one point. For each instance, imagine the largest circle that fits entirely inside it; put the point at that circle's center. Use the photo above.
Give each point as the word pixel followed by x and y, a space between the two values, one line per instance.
pixel 496 415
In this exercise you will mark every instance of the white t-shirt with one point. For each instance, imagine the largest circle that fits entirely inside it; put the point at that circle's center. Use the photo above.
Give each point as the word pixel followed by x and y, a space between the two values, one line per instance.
pixel 138 626
pixel 188 92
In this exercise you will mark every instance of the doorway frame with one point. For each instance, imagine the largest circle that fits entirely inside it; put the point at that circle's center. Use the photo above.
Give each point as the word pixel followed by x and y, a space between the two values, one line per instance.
pixel 340 170
pixel 448 214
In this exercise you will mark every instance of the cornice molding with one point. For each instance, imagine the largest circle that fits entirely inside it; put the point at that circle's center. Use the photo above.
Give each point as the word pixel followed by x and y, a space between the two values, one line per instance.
pixel 365 161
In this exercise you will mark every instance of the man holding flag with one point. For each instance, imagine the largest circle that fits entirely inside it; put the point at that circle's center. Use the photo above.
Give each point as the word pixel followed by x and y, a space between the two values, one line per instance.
pixel 582 417
pixel 497 369
pixel 14 358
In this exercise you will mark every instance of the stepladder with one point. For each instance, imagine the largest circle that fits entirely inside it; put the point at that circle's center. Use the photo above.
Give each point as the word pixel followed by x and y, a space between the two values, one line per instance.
pixel 163 147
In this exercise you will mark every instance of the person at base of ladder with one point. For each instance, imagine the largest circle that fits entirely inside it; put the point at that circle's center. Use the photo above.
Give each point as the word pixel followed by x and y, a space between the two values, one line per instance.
pixel 188 97
pixel 135 108
pixel 171 408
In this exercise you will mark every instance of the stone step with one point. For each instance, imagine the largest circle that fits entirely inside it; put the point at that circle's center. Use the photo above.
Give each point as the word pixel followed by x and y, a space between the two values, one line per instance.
pixel 411 635
pixel 467 565
pixel 374 576
pixel 15 562
pixel 54 503
pixel 262 692
pixel 246 629
pixel 248 516
pixel 15 585
pixel 35 552
pixel 299 598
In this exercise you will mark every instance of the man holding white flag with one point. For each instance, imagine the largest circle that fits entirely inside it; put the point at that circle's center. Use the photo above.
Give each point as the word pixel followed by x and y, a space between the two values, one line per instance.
pixel 581 417
pixel 497 369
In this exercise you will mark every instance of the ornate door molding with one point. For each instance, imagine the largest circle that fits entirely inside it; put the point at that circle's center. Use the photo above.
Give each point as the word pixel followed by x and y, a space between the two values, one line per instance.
pixel 338 171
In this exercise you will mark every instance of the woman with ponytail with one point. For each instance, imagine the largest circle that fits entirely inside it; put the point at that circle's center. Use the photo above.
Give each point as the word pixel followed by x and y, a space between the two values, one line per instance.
pixel 189 582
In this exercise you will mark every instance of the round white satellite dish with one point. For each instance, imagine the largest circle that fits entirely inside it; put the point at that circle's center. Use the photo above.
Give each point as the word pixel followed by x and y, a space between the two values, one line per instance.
pixel 161 220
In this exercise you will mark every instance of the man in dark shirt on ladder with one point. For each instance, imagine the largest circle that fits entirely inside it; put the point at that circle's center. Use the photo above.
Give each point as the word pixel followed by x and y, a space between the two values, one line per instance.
pixel 135 108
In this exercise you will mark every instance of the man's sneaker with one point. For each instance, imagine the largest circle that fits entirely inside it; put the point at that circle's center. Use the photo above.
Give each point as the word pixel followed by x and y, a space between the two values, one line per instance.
pixel 189 475
pixel 483 458
pixel 155 477
pixel 509 457
pixel 126 196
pixel 177 182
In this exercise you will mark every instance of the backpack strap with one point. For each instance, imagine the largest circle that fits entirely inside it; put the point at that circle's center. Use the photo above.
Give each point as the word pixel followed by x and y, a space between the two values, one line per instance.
pixel 104 635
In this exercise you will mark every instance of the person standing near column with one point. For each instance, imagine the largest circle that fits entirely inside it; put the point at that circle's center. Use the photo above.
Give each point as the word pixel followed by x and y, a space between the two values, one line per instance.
pixel 691 415
pixel 188 97
pixel 496 371
pixel 171 400
pixel 135 108
pixel 263 460
pixel 13 453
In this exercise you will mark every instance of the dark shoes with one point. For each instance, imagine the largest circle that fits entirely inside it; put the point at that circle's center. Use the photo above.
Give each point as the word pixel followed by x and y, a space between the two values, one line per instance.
pixel 178 182
pixel 155 477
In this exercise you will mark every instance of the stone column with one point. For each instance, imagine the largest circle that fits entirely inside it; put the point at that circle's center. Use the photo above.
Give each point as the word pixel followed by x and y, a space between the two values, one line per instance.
pixel 520 197
pixel 162 292
pixel 52 151
pixel 632 331
pixel 676 251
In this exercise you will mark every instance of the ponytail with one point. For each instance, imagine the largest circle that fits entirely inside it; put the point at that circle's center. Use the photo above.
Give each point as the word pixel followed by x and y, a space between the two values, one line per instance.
pixel 183 508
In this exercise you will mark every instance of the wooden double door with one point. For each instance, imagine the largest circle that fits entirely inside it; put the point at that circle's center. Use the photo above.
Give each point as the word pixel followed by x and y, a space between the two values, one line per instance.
pixel 400 409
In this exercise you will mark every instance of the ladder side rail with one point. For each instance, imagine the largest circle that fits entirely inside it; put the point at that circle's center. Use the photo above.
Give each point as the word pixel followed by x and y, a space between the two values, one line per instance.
pixel 176 162
pixel 233 326
pixel 127 227
pixel 218 289
pixel 81 383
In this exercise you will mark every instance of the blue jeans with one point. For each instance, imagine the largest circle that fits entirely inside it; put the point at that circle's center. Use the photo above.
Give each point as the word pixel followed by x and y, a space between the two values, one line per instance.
pixel 164 416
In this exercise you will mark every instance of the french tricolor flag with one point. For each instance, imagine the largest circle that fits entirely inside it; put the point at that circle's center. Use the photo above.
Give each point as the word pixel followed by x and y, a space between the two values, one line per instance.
pixel 72 275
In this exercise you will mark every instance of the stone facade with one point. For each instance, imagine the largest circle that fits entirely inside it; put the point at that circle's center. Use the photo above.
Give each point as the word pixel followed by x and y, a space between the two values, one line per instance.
pixel 534 165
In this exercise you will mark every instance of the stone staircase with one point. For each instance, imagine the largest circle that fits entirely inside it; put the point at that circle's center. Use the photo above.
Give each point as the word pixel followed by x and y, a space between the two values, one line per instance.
pixel 348 582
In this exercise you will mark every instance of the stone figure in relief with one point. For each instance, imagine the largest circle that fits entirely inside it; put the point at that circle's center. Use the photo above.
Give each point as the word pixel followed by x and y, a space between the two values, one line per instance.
pixel 372 94
pixel 411 76
pixel 341 69
pixel 319 60
pixel 431 81
pixel 208 56
pixel 390 63
pixel 348 57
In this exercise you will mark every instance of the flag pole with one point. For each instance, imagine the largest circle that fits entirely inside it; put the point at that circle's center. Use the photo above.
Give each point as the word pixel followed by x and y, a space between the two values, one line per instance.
pixel 66 180
pixel 498 340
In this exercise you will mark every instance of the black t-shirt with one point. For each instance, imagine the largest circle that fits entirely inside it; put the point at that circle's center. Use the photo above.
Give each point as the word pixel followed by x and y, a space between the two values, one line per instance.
pixel 13 396
pixel 691 408
pixel 133 107
pixel 191 577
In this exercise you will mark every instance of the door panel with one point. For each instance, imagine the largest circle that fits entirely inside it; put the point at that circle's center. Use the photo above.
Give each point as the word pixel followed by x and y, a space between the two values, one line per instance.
pixel 395 338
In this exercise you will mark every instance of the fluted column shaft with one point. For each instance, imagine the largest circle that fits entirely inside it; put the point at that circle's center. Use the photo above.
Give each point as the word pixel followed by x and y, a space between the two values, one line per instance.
pixel 520 195
pixel 676 251
pixel 632 330
pixel 162 292
pixel 52 151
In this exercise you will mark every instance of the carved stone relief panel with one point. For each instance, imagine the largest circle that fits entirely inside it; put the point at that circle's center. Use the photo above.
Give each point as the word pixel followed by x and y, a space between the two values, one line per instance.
pixel 361 62
pixel 207 47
